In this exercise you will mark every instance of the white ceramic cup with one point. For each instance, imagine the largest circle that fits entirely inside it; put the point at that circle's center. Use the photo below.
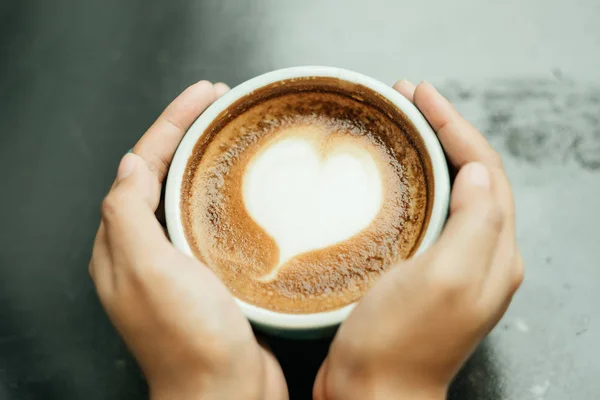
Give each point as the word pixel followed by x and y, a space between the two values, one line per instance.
pixel 322 323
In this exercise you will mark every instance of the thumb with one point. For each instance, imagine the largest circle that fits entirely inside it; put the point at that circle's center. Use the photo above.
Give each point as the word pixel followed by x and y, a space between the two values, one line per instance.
pixel 128 209
pixel 469 239
pixel 135 178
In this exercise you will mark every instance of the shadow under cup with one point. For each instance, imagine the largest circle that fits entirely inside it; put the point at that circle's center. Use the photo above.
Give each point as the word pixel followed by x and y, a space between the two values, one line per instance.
pixel 369 110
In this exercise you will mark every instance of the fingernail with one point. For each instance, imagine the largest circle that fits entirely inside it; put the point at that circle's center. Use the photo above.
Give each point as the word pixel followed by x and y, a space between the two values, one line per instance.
pixel 126 166
pixel 431 87
pixel 221 88
pixel 478 174
pixel 440 101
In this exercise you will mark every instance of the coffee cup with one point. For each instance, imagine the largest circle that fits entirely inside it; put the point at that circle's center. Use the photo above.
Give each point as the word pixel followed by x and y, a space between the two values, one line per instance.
pixel 310 321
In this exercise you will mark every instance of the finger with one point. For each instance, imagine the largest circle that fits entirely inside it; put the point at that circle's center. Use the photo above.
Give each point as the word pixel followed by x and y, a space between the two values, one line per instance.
pixel 128 211
pixel 100 267
pixel 500 306
pixel 220 89
pixel 506 275
pixel 274 378
pixel 461 141
pixel 406 89
pixel 159 143
pixel 504 196
pixel 319 392
pixel 100 254
pixel 467 245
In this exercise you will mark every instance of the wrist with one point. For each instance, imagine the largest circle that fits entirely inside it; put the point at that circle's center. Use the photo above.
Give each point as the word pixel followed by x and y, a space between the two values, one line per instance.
pixel 339 385
pixel 205 386
pixel 208 391
pixel 382 393
pixel 217 376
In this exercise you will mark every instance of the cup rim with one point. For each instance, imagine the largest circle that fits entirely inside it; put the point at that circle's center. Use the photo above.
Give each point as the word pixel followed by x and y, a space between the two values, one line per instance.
pixel 285 321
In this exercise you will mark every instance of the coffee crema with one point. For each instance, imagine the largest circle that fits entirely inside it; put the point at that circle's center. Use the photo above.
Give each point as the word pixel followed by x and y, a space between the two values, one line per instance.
pixel 302 193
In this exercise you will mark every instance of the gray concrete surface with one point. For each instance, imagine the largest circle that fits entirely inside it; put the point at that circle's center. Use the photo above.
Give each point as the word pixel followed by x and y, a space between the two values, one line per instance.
pixel 80 81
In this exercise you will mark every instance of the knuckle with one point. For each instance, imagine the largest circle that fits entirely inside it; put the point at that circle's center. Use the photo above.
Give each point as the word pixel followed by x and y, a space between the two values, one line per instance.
pixel 139 274
pixel 496 159
pixel 449 284
pixel 452 284
pixel 518 273
pixel 478 314
pixel 221 354
pixel 158 164
pixel 91 269
pixel 491 216
pixel 109 207
pixel 349 350
pixel 112 204
pixel 101 283
pixel 485 319
pixel 149 271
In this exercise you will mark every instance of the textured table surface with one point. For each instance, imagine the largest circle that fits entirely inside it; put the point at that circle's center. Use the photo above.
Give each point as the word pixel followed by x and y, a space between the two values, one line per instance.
pixel 80 81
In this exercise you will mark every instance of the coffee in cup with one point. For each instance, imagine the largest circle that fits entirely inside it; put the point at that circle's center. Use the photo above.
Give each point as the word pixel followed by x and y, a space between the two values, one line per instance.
pixel 301 193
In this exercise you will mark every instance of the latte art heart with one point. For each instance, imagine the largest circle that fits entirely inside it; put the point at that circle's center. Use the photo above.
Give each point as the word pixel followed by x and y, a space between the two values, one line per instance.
pixel 302 194
pixel 307 197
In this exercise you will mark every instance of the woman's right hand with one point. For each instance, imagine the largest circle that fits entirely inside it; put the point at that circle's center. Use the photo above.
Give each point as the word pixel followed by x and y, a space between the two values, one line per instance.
pixel 409 335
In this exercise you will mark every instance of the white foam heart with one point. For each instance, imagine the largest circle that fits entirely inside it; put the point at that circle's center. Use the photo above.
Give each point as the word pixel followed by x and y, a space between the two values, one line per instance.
pixel 306 201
